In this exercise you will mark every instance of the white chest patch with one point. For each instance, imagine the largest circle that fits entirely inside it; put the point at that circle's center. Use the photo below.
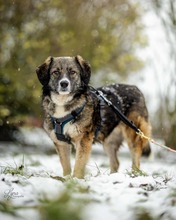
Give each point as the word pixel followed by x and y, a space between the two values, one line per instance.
pixel 69 128
pixel 60 101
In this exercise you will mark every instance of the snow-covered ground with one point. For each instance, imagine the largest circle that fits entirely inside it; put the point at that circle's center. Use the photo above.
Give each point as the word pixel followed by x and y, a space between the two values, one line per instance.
pixel 30 176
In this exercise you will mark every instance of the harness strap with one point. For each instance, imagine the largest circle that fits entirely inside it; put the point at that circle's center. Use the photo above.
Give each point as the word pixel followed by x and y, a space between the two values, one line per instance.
pixel 100 104
pixel 115 109
pixel 59 123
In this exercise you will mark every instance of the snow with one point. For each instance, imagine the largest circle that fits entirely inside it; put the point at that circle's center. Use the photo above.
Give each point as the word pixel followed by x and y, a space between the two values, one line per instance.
pixel 111 196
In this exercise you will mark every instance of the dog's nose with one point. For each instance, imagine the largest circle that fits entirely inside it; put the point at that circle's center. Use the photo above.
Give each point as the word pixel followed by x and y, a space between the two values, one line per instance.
pixel 64 84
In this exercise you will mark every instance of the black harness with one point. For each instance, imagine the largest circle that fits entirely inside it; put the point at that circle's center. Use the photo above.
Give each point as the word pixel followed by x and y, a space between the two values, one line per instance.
pixel 59 123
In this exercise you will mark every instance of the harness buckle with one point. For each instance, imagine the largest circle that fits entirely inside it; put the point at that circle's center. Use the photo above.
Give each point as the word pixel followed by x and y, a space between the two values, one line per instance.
pixel 58 122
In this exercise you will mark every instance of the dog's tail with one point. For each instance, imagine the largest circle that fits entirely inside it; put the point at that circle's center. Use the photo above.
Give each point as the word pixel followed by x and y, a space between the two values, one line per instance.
pixel 146 151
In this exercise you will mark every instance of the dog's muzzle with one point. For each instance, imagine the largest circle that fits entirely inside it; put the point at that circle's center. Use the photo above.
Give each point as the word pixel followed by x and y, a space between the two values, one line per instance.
pixel 64 86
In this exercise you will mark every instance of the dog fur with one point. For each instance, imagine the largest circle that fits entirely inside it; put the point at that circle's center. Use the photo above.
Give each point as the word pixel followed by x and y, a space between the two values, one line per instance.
pixel 65 88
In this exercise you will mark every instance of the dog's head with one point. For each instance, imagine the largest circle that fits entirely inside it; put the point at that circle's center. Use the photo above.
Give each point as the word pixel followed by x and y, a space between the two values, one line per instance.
pixel 64 75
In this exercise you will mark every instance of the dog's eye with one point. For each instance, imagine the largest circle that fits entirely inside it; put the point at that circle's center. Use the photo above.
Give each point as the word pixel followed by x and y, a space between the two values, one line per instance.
pixel 72 72
pixel 55 73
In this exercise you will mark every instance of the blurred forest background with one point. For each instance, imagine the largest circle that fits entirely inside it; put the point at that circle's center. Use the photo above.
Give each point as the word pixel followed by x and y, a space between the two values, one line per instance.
pixel 107 33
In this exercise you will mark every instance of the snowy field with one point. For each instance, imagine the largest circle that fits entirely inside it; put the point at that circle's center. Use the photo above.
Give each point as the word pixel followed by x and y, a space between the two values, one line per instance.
pixel 32 187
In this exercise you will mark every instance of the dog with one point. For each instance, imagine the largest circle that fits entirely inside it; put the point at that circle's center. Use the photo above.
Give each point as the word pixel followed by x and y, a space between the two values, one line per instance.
pixel 74 115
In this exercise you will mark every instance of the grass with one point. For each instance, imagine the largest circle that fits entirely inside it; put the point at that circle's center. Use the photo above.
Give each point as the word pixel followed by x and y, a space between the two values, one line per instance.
pixel 59 178
pixel 61 208
pixel 69 205
pixel 135 173
pixel 17 170
pixel 6 207
pixel 20 169
pixel 143 214
pixel 74 186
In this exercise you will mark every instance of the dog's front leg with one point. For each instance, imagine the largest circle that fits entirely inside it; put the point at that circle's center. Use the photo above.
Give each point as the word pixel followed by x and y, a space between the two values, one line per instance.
pixel 64 150
pixel 83 150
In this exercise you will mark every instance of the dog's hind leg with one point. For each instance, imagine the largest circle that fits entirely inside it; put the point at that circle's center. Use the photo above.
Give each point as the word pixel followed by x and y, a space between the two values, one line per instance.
pixel 64 151
pixel 83 150
pixel 137 145
pixel 136 152
pixel 111 146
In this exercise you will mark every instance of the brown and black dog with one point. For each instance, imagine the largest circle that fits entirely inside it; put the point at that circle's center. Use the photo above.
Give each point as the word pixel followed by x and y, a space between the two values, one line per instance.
pixel 74 116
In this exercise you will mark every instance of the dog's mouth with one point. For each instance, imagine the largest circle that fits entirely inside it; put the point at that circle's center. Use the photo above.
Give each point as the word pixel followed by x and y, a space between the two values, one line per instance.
pixel 64 87
pixel 64 92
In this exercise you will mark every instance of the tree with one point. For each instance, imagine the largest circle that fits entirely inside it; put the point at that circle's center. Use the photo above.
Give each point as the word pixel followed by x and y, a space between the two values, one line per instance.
pixel 166 11
pixel 106 33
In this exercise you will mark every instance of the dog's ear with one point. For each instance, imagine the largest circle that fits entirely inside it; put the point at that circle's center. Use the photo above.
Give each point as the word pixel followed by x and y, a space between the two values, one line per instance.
pixel 86 69
pixel 43 71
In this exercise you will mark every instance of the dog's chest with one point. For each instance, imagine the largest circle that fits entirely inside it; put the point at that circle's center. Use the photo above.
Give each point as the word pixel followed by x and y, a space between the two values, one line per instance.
pixel 69 127
pixel 60 112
